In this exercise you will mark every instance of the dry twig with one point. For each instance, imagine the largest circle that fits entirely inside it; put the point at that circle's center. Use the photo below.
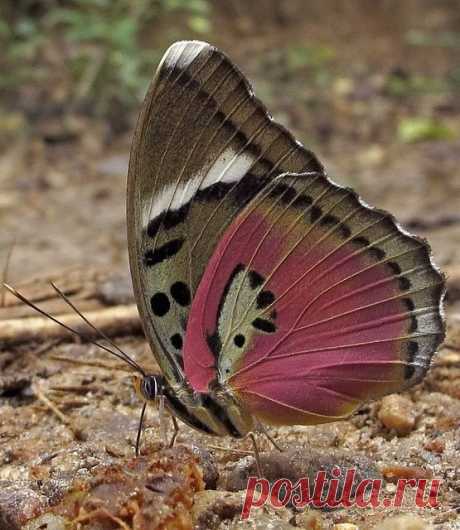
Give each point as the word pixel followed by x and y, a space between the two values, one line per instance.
pixel 113 321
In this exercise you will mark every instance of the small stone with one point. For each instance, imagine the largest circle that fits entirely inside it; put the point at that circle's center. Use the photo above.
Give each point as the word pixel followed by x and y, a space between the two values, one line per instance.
pixel 208 466
pixel 18 504
pixel 394 473
pixel 264 521
pixel 116 290
pixel 404 522
pixel 345 526
pixel 211 507
pixel 299 462
pixel 310 520
pixel 48 521
pixel 397 413
pixel 435 446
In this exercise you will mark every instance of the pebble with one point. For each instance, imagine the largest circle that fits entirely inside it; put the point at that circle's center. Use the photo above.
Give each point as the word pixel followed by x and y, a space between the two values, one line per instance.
pixel 298 462
pixel 345 526
pixel 214 509
pixel 394 472
pixel 49 521
pixel 208 466
pixel 262 522
pixel 210 507
pixel 404 522
pixel 310 520
pixel 116 290
pixel 398 413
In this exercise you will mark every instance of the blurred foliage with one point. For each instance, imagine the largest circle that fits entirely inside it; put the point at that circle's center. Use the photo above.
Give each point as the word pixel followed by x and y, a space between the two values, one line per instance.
pixel 312 60
pixel 399 84
pixel 446 39
pixel 418 129
pixel 313 57
pixel 106 46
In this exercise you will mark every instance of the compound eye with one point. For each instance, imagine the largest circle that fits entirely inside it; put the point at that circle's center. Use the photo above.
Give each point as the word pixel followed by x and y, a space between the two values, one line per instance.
pixel 150 387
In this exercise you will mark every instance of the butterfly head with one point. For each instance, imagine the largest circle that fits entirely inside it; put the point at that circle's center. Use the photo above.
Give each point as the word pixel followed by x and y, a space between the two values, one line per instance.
pixel 149 387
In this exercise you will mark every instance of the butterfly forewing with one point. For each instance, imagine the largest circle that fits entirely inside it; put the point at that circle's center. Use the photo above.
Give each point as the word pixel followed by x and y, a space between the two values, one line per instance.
pixel 313 303
pixel 204 147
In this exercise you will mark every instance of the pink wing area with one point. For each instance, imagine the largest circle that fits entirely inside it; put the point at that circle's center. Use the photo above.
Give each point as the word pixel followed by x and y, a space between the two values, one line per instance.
pixel 352 310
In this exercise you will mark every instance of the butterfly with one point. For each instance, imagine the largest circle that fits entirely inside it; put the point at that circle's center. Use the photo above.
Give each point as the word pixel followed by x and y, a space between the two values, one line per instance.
pixel 269 294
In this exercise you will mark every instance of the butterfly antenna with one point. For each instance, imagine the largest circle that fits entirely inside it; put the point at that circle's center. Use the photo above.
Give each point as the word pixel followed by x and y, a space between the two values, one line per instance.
pixel 101 334
pixel 29 303
pixel 6 271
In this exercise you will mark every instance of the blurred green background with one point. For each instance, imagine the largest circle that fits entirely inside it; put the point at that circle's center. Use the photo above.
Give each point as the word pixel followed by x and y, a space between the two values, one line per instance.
pixel 97 56
pixel 372 87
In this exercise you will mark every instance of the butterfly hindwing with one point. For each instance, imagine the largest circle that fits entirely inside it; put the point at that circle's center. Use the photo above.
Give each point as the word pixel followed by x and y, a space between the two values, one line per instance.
pixel 204 146
pixel 314 303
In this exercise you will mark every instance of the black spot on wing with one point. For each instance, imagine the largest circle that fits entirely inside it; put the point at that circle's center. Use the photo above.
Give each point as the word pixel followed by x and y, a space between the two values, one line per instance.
pixel 329 220
pixel 181 293
pixel 247 188
pixel 377 253
pixel 395 268
pixel 236 271
pixel 215 192
pixel 409 303
pixel 239 340
pixel 264 325
pixel 361 241
pixel 412 350
pixel 176 341
pixel 240 192
pixel 166 251
pixel 241 138
pixel 345 230
pixel 315 213
pixel 154 225
pixel 264 299
pixel 404 283
pixel 409 371
pixel 167 220
pixel 214 343
pixel 253 150
pixel 302 202
pixel 255 279
pixel 174 217
pixel 289 194
pixel 160 304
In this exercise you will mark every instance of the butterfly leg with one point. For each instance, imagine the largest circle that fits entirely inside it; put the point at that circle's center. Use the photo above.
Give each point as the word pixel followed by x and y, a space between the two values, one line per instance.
pixel 176 431
pixel 139 430
pixel 256 454
pixel 270 438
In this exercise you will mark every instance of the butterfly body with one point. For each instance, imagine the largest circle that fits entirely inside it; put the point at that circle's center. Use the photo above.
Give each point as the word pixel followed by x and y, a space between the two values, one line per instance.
pixel 215 413
pixel 268 292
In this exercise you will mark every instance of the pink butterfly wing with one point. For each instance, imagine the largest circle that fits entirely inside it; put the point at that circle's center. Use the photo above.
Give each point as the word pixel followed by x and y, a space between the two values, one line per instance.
pixel 354 305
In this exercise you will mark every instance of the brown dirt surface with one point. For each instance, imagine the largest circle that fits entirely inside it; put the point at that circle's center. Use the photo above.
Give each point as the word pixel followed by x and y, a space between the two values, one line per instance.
pixel 68 413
